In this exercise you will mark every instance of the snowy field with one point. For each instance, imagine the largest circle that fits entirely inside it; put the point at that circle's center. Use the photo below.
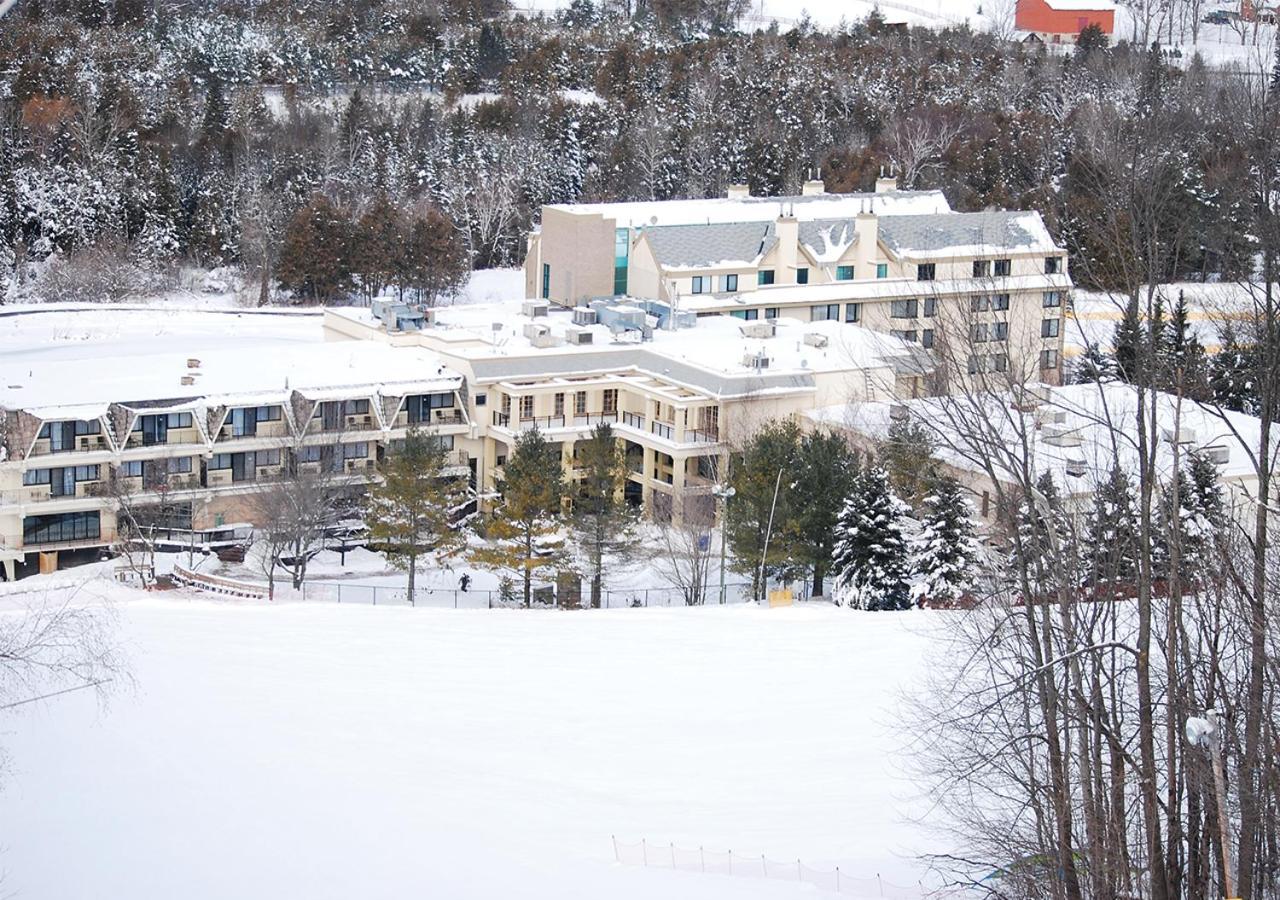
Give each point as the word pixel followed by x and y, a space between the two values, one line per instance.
pixel 323 751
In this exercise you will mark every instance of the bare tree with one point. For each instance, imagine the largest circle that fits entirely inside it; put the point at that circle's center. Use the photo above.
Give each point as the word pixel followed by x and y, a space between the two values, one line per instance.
pixel 686 550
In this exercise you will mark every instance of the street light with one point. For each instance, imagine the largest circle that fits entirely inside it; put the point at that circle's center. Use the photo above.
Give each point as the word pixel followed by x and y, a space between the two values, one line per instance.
pixel 723 493
pixel 1205 733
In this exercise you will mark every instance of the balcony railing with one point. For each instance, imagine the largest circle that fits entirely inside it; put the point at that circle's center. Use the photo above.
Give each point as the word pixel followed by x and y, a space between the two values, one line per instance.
pixel 663 430
pixel 702 435
pixel 633 420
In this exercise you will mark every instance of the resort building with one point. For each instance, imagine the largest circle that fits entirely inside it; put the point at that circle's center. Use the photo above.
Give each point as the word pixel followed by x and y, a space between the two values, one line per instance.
pixel 1061 21
pixel 989 287
pixel 185 441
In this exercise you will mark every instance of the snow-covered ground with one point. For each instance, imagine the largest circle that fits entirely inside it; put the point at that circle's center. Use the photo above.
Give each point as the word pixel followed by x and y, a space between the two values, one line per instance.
pixel 317 751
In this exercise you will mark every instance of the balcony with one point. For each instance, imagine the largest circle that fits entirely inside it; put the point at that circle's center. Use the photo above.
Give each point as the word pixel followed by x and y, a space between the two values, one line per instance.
pixel 633 420
pixel 664 430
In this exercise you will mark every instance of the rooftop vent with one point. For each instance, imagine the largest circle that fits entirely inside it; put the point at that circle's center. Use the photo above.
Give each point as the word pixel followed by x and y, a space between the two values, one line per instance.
pixel 188 380
pixel 813 188
pixel 1218 454
pixel 765 329
pixel 1046 415
pixel 577 336
pixel 1075 467
pixel 738 192
pixel 1060 436
pixel 758 360
pixel 584 315
pixel 1182 435
pixel 193 363
pixel 535 308
pixel 816 340
pixel 533 330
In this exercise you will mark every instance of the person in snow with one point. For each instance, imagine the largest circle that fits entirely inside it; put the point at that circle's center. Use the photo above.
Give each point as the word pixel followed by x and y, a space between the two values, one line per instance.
pixel 464 582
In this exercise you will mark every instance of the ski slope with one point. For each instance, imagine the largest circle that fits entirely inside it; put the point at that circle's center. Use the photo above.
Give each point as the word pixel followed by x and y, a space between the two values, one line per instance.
pixel 321 751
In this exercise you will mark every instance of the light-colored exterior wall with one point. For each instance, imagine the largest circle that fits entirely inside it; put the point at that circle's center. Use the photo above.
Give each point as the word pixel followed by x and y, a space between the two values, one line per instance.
pixel 579 251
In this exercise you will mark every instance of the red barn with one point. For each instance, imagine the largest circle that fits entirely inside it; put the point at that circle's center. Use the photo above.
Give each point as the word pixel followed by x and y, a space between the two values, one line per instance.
pixel 1059 21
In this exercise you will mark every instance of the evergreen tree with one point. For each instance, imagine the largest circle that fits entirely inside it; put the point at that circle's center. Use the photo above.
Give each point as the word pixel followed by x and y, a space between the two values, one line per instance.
pixel 907 455
pixel 1045 546
pixel 1110 539
pixel 872 554
pixel 826 470
pixel 315 260
pixel 410 509
pixel 946 549
pixel 434 262
pixel 1233 373
pixel 603 522
pixel 1195 524
pixel 378 243
pixel 1182 358
pixel 1126 345
pixel 754 477
pixel 527 512
pixel 1094 366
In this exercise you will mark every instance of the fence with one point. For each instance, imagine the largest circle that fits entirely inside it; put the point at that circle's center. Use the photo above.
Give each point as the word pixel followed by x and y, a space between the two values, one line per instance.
pixel 227 586
pixel 726 862
pixel 456 598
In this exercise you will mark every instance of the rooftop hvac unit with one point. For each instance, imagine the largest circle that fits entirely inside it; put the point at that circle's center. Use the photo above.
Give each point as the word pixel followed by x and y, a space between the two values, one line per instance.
pixel 898 412
pixel 193 363
pixel 535 308
pixel 532 330
pixel 577 336
pixel 544 339
pixel 584 315
pixel 1046 415
pixel 765 329
pixel 757 361
pixel 1181 435
pixel 1075 467
pixel 1060 436
pixel 188 380
pixel 1218 454
pixel 816 340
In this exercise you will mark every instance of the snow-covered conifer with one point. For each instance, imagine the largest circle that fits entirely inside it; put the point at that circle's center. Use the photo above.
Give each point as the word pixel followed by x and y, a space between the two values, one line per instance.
pixel 872 553
pixel 946 549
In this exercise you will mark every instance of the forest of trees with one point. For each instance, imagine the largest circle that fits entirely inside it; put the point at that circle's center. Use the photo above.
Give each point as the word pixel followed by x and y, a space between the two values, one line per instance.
pixel 335 149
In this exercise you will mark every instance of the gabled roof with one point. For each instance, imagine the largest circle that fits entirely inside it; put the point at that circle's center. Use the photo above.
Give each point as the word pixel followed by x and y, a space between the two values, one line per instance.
pixel 698 246
pixel 965 233
pixel 828 239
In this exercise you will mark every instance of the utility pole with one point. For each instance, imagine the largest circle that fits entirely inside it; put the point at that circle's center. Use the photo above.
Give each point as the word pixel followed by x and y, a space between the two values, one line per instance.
pixel 768 533
pixel 723 493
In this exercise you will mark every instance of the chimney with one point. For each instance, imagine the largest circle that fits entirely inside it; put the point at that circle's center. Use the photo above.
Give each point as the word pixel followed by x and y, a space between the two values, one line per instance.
pixel 814 188
pixel 738 192
pixel 886 184
pixel 867 228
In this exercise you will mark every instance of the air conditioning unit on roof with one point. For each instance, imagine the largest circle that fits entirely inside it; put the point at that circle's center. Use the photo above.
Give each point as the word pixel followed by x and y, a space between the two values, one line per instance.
pixel 535 308
pixel 577 336
pixel 584 315
pixel 816 340
pixel 762 330
pixel 758 360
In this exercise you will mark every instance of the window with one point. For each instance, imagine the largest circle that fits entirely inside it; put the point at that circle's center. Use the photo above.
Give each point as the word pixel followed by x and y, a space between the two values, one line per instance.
pixel 131 469
pixel 844 273
pixel 978 334
pixel 930 307
pixel 93 427
pixel 1052 299
pixel 621 252
pixel 80 526
pixel 926 272
pixel 702 284
pixel 977 364
pixel 611 400
pixel 312 454
pixel 747 315
pixel 546 281
pixel 729 283
pixel 36 476
pixel 526 406
pixel 481 399
pixel 802 277
pixel 1051 265
pixel 220 461
pixel 1003 267
pixel 1049 328
pixel 1000 331
pixel 352 408
pixel 981 268
pixel 1000 362
pixel 580 403
pixel 1048 359
pixel 904 309
pixel 559 404
pixel 824 312
pixel 772 312
pixel 1000 302
pixel 979 303
pixel 882 270
pixel 268 457
pixel 907 335
pixel 351 451
pixel 764 276
pixel 926 338
pixel 183 420
pixel 853 312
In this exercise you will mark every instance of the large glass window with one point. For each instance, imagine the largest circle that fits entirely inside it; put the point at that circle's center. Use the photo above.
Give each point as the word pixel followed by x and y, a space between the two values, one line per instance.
pixel 926 272
pixel 853 312
pixel 729 283
pixel 546 281
pixel 1003 267
pixel 1049 327
pixel 824 312
pixel 621 254
pixel 1052 299
pixel 904 309
pixel 80 526
pixel 701 284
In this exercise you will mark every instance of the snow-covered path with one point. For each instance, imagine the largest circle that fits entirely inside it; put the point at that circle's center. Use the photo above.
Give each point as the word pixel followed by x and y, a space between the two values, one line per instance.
pixel 319 751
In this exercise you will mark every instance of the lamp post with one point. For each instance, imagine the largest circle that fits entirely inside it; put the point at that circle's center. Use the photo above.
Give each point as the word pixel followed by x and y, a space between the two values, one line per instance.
pixel 723 493
pixel 1206 733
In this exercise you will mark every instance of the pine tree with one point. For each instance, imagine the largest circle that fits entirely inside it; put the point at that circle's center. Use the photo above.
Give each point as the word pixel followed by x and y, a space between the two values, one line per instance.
pixel 907 455
pixel 1182 358
pixel 410 509
pixel 946 549
pixel 1110 540
pixel 603 522
pixel 827 469
pixel 378 242
pixel 1094 366
pixel 1045 546
pixel 315 260
pixel 434 262
pixel 528 510
pixel 1126 345
pixel 1233 373
pixel 755 521
pixel 872 554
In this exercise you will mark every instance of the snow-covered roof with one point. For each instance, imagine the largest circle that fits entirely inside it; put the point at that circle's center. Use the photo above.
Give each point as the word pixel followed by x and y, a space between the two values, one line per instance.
pixel 709 356
pixel 827 240
pixel 966 234
pixel 1084 428
pixel 75 382
pixel 706 246
pixel 720 210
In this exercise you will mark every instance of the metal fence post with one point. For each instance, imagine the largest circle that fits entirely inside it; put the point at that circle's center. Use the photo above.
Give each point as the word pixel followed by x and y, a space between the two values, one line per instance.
pixel 702 858
pixel 799 872
pixel 616 858
pixel 644 852
pixel 455 598
pixel 673 856
pixel 880 884
pixel 837 879
pixel 339 593
pixel 730 862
